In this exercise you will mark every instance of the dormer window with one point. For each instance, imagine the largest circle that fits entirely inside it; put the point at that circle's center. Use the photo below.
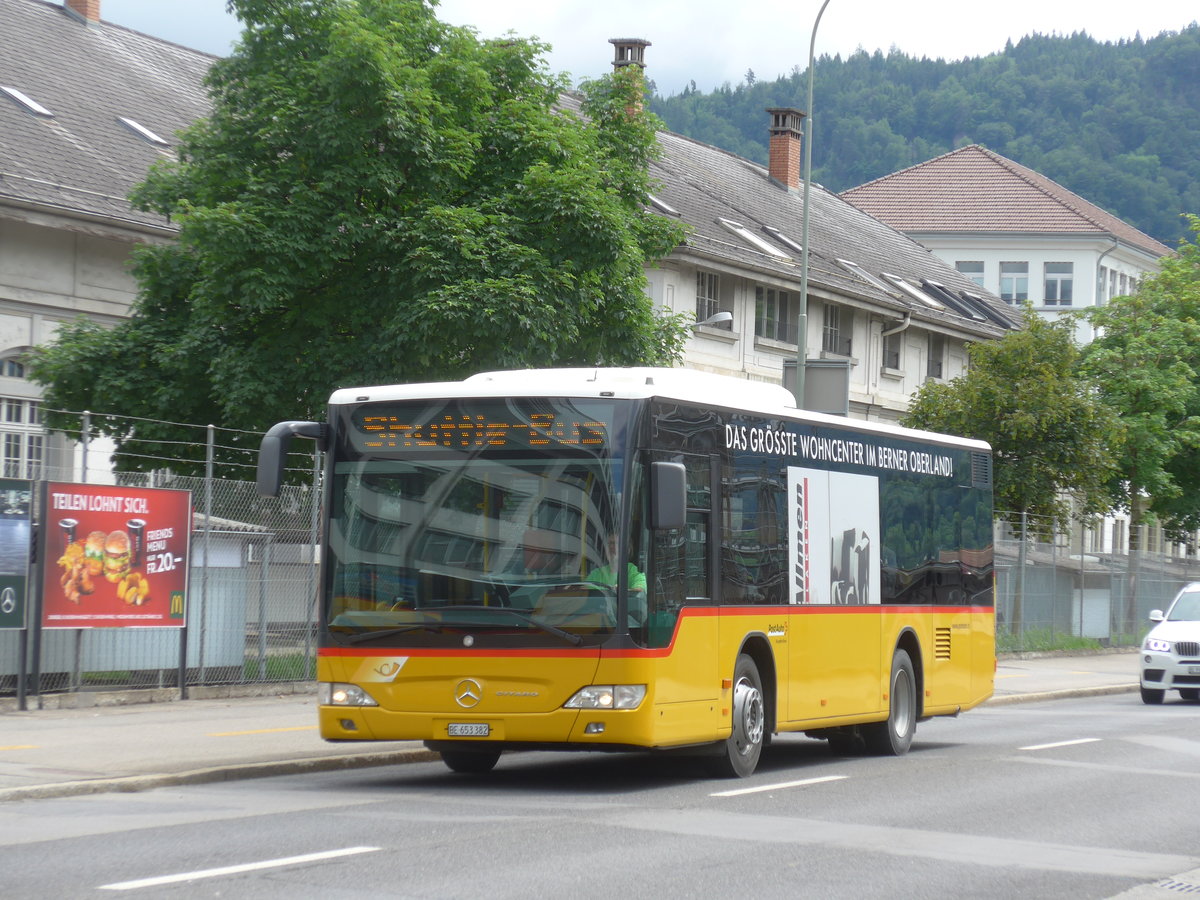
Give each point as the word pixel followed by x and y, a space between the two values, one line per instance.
pixel 753 239
pixel 142 131
pixel 913 292
pixel 28 102
pixel 855 269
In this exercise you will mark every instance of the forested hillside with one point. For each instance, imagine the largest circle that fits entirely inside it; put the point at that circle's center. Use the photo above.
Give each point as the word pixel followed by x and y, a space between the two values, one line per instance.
pixel 1118 123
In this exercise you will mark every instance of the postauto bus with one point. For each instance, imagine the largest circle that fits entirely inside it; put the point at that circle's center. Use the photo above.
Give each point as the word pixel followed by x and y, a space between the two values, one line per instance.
pixel 653 559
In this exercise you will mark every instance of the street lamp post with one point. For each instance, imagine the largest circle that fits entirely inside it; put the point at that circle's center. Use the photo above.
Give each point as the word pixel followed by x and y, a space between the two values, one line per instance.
pixel 802 324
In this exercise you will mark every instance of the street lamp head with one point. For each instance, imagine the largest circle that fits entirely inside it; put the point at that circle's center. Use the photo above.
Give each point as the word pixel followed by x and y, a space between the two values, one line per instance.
pixel 719 318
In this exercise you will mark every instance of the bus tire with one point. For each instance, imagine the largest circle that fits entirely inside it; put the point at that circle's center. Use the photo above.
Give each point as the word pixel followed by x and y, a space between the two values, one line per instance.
pixel 894 736
pixel 739 753
pixel 471 762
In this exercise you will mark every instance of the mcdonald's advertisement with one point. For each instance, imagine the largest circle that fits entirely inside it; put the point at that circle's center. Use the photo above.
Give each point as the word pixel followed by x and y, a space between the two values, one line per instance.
pixel 114 557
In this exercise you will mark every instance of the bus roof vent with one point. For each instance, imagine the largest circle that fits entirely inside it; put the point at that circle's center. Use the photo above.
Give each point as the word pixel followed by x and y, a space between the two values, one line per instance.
pixel 981 469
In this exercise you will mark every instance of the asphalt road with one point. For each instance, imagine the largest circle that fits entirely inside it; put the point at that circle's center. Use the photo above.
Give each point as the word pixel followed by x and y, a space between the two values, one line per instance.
pixel 1080 798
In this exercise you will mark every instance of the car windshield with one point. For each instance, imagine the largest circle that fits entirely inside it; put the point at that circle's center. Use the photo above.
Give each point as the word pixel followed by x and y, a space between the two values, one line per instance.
pixel 496 544
pixel 1186 608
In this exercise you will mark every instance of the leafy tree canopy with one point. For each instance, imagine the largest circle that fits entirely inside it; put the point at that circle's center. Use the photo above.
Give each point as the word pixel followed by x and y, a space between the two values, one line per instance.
pixel 1022 394
pixel 1145 362
pixel 378 197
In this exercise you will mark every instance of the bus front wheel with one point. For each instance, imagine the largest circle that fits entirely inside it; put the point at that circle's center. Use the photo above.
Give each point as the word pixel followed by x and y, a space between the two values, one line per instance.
pixel 470 762
pixel 738 756
pixel 894 736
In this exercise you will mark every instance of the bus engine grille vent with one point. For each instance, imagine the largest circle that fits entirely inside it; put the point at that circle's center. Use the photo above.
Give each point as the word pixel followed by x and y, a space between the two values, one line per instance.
pixel 941 643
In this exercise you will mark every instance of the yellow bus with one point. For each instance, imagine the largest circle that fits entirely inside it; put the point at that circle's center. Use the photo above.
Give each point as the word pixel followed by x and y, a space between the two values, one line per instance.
pixel 652 559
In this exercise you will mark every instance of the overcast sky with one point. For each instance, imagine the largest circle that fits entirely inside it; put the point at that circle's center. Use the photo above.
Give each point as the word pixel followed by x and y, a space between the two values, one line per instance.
pixel 716 41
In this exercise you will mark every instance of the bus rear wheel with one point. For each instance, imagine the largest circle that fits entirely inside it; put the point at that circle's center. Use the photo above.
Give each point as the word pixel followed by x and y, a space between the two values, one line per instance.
pixel 470 762
pixel 739 754
pixel 894 736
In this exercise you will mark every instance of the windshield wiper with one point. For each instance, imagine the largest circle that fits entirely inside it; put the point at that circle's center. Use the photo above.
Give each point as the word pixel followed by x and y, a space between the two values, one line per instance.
pixel 536 623
pixel 369 635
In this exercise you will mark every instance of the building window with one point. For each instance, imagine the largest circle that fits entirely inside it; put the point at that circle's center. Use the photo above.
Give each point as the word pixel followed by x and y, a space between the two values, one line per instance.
pixel 1014 281
pixel 774 314
pixel 708 292
pixel 972 268
pixel 937 355
pixel 12 368
pixel 839 325
pixel 24 441
pixel 1059 276
pixel 893 345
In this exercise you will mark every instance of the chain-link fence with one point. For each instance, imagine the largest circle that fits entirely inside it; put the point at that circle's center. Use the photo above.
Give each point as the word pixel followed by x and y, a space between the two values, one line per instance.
pixel 252 581
pixel 1055 590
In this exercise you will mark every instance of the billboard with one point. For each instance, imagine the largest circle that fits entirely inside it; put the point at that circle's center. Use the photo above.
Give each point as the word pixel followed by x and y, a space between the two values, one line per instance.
pixel 114 557
pixel 15 504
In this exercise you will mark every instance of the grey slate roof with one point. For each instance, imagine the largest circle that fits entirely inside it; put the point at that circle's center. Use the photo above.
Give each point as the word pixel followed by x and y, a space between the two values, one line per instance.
pixel 705 184
pixel 83 161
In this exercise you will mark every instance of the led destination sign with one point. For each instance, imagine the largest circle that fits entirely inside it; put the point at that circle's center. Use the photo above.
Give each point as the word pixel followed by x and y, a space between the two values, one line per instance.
pixel 478 425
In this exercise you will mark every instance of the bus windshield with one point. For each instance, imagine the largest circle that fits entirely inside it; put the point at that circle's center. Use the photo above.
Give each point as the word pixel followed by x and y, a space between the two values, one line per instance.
pixel 476 522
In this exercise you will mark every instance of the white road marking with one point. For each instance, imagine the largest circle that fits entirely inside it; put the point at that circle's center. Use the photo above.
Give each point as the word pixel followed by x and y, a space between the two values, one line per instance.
pixel 1060 744
pixel 233 870
pixel 778 787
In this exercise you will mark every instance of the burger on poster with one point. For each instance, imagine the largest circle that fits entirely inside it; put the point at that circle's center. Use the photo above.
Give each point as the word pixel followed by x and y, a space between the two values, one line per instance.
pixel 93 552
pixel 116 556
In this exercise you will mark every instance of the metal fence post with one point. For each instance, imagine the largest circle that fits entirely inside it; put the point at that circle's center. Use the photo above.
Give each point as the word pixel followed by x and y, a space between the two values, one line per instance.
pixel 313 538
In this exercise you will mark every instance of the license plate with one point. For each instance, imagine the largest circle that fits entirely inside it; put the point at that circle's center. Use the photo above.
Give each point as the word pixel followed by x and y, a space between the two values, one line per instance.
pixel 468 729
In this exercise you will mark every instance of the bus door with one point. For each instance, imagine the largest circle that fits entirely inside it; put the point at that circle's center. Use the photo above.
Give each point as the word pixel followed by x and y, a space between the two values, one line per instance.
pixel 834 538
pixel 682 615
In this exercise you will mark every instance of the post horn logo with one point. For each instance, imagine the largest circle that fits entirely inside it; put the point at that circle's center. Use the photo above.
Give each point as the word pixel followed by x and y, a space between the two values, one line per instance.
pixel 468 693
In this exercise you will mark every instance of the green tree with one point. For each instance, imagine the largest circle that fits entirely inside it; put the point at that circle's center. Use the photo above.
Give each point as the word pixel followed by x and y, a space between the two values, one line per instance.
pixel 378 197
pixel 1049 433
pixel 1177 288
pixel 1145 362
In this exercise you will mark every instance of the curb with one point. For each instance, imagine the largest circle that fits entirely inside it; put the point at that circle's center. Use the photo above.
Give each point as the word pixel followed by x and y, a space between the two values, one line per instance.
pixel 1066 694
pixel 237 772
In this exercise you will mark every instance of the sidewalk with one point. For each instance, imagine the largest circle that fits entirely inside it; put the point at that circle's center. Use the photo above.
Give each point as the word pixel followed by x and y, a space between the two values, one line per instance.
pixel 123 744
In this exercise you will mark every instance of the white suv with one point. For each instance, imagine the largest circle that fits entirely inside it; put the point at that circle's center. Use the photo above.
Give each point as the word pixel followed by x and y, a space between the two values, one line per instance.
pixel 1171 651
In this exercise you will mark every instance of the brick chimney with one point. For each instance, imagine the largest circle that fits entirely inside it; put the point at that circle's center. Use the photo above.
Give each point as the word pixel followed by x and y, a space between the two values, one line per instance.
pixel 784 155
pixel 87 10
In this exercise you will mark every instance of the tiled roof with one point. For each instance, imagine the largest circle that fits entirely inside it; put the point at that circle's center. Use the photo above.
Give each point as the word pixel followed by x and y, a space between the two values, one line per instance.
pixel 975 190
pixel 83 161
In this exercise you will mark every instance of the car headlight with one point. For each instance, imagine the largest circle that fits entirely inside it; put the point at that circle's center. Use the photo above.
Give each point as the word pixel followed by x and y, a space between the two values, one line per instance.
pixel 607 696
pixel 1154 645
pixel 333 693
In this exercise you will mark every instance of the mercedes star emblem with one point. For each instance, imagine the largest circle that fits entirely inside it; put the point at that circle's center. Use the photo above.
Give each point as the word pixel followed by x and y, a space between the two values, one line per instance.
pixel 468 693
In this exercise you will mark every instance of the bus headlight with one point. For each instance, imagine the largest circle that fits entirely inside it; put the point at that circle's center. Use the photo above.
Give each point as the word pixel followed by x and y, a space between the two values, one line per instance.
pixel 608 696
pixel 333 693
